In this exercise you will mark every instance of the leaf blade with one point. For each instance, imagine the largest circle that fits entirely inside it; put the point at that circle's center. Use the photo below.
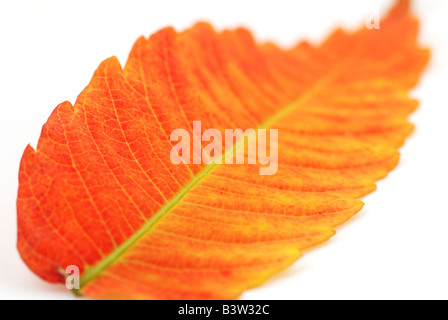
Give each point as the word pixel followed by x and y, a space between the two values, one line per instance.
pixel 150 199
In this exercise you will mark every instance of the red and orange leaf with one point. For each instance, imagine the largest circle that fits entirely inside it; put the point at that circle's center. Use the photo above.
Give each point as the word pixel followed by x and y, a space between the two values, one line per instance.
pixel 101 192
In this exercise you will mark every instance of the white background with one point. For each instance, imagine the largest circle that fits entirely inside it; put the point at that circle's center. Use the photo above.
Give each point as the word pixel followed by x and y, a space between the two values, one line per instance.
pixel 396 248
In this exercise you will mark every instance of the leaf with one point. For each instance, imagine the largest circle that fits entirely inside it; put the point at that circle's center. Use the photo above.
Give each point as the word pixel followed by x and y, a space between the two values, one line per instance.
pixel 101 193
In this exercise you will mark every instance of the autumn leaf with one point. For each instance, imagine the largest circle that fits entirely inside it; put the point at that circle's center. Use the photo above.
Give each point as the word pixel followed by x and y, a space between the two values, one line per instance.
pixel 100 191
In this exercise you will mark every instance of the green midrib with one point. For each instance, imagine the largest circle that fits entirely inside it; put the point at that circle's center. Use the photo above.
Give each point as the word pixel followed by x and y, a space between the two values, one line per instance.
pixel 91 273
